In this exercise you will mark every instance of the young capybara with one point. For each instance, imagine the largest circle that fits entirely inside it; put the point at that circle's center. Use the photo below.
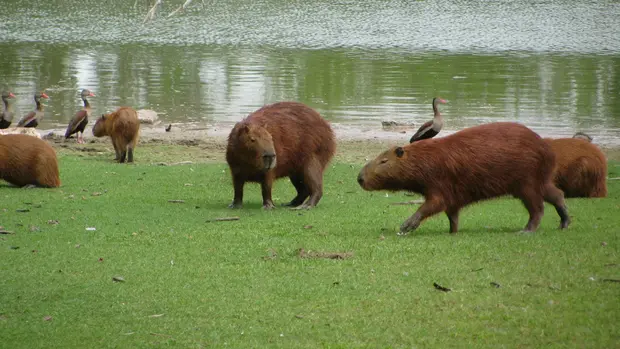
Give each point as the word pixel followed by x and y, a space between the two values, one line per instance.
pixel 123 127
pixel 285 139
pixel 27 160
pixel 581 168
pixel 474 164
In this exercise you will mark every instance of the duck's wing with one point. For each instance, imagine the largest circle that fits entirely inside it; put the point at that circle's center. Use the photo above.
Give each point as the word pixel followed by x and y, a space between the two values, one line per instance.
pixel 27 119
pixel 424 132
pixel 75 122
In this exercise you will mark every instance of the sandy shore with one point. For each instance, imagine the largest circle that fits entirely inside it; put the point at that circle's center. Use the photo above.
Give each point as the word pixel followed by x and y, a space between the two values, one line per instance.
pixel 207 142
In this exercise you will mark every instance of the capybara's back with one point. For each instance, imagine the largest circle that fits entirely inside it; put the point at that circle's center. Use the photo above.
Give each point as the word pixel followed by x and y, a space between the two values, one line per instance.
pixel 581 167
pixel 474 164
pixel 123 127
pixel 302 144
pixel 27 160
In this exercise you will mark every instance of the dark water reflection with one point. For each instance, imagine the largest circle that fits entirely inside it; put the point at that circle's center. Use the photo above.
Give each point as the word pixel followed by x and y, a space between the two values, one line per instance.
pixel 552 65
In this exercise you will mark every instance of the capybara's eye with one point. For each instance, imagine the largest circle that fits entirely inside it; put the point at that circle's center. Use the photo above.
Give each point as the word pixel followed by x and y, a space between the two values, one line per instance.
pixel 253 139
pixel 384 160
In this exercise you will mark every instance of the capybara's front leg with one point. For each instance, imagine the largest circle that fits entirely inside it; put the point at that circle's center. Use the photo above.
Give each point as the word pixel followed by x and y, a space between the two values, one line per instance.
pixel 265 187
pixel 431 206
pixel 555 196
pixel 238 183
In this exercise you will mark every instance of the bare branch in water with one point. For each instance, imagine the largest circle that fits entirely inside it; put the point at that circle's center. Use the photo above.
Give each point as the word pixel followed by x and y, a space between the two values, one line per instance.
pixel 151 14
pixel 182 7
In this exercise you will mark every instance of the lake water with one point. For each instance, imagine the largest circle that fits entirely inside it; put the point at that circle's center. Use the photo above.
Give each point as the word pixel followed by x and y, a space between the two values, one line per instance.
pixel 553 65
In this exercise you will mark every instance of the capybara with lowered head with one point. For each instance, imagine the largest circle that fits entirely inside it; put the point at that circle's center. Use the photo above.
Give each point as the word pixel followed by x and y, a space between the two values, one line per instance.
pixel 285 139
pixel 27 160
pixel 580 168
pixel 123 127
pixel 474 164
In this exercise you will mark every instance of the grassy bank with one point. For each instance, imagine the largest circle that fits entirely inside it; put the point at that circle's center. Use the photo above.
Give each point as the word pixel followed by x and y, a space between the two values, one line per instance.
pixel 190 283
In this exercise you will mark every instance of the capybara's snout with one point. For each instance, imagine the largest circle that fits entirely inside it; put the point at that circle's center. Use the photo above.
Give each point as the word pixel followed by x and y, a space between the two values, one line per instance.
pixel 269 160
pixel 360 180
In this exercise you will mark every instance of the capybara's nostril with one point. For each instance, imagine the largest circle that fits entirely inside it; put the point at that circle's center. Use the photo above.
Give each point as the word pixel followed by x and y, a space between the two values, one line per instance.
pixel 360 180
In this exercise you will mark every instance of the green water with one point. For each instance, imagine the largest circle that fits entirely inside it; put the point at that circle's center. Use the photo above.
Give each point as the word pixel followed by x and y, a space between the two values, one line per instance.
pixel 552 65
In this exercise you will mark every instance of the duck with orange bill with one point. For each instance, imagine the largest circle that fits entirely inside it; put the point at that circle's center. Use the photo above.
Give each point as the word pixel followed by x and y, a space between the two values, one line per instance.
pixel 430 128
pixel 80 119
pixel 7 113
pixel 32 119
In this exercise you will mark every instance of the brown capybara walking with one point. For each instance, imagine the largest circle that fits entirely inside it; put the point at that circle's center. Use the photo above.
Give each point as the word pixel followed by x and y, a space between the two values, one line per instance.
pixel 285 139
pixel 123 127
pixel 474 164
pixel 581 168
pixel 27 160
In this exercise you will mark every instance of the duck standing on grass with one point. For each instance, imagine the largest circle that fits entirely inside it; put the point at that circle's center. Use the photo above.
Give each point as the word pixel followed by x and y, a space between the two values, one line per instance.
pixel 80 119
pixel 32 119
pixel 430 128
pixel 7 114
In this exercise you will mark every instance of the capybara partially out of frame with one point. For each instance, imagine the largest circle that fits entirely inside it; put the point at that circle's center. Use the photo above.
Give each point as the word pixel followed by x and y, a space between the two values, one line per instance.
pixel 474 164
pixel 27 160
pixel 581 168
pixel 285 139
pixel 123 127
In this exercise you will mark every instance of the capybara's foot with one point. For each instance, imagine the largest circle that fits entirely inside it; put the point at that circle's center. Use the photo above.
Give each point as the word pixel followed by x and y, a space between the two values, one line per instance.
pixel 305 206
pixel 564 223
pixel 235 205
pixel 269 205
pixel 412 223
pixel 29 186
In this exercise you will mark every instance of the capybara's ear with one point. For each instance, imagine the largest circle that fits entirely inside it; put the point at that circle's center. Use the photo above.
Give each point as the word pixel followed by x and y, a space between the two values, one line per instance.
pixel 399 152
pixel 102 116
pixel 245 129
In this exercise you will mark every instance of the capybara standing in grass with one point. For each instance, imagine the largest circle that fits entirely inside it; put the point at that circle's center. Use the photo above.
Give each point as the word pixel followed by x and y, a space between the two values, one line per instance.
pixel 474 164
pixel 27 160
pixel 285 139
pixel 581 168
pixel 123 127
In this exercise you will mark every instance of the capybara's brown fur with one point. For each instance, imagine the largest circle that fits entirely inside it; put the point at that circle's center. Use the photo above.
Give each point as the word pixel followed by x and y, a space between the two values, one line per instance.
pixel 474 164
pixel 27 160
pixel 285 139
pixel 123 127
pixel 581 168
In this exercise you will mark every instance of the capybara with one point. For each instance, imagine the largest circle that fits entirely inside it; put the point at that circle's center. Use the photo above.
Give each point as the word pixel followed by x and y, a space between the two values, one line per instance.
pixel 123 127
pixel 281 139
pixel 27 160
pixel 581 168
pixel 474 164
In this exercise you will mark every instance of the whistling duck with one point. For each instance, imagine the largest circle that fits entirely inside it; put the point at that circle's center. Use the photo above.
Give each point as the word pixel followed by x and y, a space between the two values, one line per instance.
pixel 583 136
pixel 32 119
pixel 7 114
pixel 80 119
pixel 430 128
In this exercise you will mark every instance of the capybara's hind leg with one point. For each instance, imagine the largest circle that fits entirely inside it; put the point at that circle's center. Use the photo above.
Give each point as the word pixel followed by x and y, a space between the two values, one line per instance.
pixel 313 178
pixel 265 187
pixel 129 154
pixel 535 207
pixel 117 150
pixel 453 217
pixel 432 205
pixel 123 156
pixel 302 191
pixel 555 196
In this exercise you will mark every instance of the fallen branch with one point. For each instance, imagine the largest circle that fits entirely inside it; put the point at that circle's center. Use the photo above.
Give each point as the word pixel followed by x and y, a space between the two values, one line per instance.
pixel 613 179
pixel 223 219
pixel 177 201
pixel 151 14
pixel 182 7
pixel 328 255
pixel 6 232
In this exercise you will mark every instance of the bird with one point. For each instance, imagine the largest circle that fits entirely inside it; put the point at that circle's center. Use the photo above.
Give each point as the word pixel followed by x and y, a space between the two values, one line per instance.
pixel 430 128
pixel 584 136
pixel 80 119
pixel 7 114
pixel 32 119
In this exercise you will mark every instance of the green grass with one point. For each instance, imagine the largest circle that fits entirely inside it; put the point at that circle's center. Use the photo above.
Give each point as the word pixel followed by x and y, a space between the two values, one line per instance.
pixel 242 283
